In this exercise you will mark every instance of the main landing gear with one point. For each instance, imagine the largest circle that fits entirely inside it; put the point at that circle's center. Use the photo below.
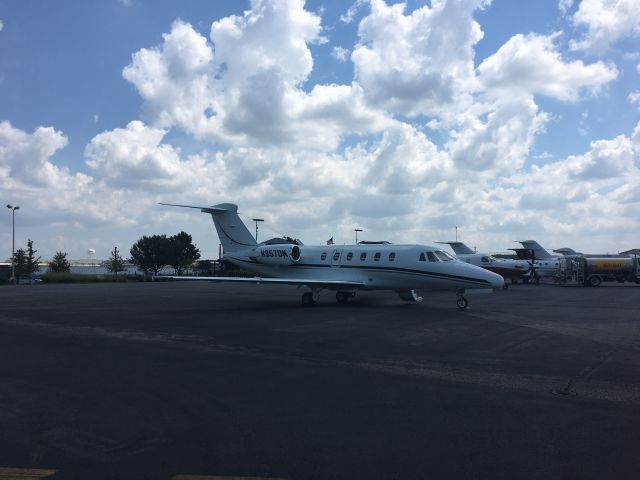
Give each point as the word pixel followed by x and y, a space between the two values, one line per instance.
pixel 343 297
pixel 309 298
pixel 462 302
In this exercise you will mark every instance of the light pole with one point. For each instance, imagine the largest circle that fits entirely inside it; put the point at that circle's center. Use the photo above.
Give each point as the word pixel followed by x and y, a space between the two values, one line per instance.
pixel 13 240
pixel 257 220
pixel 357 230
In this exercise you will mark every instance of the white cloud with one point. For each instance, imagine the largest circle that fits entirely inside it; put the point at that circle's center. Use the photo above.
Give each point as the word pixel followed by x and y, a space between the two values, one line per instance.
pixel 1 25
pixel 126 3
pixel 502 141
pixel 634 98
pixel 250 92
pixel 175 80
pixel 606 21
pixel 339 53
pixel 421 63
pixel 25 157
pixel 531 65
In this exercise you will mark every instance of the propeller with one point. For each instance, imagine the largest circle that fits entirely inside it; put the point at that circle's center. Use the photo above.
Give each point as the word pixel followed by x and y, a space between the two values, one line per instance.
pixel 529 255
pixel 533 268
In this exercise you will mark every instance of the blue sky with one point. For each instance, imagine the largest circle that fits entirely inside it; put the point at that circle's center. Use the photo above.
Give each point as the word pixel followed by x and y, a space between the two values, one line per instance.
pixel 522 122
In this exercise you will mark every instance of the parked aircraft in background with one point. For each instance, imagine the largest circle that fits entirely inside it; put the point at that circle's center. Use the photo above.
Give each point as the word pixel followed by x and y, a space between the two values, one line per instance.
pixel 344 269
pixel 509 269
pixel 544 264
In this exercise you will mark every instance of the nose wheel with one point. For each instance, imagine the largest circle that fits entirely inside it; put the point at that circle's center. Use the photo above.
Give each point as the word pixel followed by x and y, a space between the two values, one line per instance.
pixel 462 302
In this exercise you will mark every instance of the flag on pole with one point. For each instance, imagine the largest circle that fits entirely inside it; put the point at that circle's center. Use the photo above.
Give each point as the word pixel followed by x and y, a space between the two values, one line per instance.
pixel 330 241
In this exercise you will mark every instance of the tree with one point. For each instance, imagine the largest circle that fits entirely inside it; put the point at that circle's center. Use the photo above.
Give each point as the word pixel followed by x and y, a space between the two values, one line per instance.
pixel 151 254
pixel 32 264
pixel 182 252
pixel 115 263
pixel 59 264
pixel 20 262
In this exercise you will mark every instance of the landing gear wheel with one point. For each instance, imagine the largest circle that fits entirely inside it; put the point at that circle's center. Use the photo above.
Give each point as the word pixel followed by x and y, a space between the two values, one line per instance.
pixel 505 286
pixel 343 297
pixel 462 303
pixel 307 299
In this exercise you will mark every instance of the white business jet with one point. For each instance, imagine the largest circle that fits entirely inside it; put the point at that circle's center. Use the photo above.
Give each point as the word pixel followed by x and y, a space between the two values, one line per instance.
pixel 344 269
pixel 507 268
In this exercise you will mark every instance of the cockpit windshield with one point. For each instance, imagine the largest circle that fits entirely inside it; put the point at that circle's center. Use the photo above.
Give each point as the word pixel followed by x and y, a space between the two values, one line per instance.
pixel 443 256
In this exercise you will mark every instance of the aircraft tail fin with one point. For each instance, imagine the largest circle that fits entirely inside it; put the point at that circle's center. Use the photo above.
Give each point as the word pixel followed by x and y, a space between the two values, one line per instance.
pixel 459 248
pixel 232 232
pixel 539 252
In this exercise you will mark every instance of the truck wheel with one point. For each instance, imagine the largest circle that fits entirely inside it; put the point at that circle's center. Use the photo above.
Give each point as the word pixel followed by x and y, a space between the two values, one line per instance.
pixel 594 281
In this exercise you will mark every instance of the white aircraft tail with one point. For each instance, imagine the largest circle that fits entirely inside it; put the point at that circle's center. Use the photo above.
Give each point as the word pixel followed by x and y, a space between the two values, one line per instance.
pixel 539 252
pixel 232 232
pixel 459 248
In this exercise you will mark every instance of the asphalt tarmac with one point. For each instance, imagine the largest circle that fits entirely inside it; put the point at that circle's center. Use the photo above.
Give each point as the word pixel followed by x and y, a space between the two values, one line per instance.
pixel 160 380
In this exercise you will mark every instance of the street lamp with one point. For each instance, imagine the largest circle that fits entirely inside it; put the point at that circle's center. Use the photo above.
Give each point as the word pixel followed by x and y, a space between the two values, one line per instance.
pixel 257 220
pixel 357 230
pixel 13 241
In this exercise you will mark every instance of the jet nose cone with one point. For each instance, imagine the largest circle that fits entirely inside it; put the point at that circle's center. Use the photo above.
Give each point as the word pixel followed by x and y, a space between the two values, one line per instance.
pixel 497 281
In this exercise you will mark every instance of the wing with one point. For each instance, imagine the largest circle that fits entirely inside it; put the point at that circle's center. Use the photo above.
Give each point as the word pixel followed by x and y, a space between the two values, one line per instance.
pixel 282 281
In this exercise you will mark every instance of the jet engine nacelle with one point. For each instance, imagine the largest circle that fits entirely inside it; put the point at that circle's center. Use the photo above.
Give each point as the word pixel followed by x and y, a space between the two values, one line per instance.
pixel 278 254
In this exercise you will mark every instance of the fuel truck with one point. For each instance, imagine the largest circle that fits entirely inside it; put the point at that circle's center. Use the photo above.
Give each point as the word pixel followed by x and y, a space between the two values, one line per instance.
pixel 591 271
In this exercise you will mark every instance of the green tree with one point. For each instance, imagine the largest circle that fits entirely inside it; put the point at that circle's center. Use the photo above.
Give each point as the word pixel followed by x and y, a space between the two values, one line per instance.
pixel 151 254
pixel 59 264
pixel 32 264
pixel 20 262
pixel 115 263
pixel 182 252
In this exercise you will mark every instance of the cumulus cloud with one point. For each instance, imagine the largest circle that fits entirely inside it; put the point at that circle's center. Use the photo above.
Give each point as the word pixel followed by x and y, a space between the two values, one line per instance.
pixel 531 65
pixel 606 21
pixel 502 141
pixel 250 92
pixel 25 157
pixel 421 63
pixel 1 25
pixel 175 79
pixel 28 175
pixel 634 98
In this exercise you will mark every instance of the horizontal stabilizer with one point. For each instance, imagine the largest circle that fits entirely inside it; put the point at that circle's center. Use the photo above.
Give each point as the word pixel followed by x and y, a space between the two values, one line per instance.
pixel 458 248
pixel 202 209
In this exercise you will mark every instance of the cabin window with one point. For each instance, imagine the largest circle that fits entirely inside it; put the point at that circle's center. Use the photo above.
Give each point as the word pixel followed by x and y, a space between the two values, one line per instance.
pixel 323 257
pixel 336 256
pixel 376 257
pixel 392 256
pixel 432 257
pixel 423 258
pixel 363 256
pixel 443 256
pixel 349 256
